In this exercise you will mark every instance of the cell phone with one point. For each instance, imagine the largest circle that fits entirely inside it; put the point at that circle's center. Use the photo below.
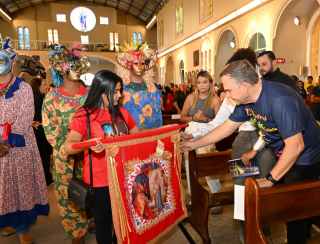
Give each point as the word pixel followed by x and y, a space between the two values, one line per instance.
pixel 239 169
pixel 237 161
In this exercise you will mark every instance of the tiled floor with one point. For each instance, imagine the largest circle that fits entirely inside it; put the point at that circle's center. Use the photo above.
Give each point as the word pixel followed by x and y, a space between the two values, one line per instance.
pixel 223 230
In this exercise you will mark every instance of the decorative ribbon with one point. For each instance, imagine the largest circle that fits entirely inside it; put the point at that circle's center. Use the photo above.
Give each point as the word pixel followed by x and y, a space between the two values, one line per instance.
pixel 5 130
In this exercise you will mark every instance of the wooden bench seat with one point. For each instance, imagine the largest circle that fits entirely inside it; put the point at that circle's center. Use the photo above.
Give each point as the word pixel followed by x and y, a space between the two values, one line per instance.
pixel 281 203
pixel 200 166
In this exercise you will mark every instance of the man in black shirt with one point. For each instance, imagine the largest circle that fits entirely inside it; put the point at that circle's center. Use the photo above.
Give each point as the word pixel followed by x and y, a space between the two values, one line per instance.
pixel 285 123
pixel 266 62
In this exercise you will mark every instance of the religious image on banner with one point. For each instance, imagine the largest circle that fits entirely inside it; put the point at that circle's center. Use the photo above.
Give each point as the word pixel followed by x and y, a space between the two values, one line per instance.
pixel 145 185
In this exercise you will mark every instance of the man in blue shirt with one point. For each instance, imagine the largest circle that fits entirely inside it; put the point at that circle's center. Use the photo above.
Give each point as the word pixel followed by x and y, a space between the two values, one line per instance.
pixel 286 124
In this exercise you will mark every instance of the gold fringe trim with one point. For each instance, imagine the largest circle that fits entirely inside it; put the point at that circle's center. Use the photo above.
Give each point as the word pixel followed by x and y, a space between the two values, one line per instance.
pixel 122 221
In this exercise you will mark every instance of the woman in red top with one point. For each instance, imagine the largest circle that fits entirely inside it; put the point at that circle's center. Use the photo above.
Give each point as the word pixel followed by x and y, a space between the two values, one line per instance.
pixel 107 117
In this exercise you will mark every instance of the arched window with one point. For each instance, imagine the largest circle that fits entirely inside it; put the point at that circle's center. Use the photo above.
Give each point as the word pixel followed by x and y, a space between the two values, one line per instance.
pixel 181 70
pixel 258 42
pixel 23 38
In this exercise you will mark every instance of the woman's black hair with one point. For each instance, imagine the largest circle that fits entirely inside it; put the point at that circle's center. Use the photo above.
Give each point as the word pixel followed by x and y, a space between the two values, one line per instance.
pixel 104 82
pixel 35 84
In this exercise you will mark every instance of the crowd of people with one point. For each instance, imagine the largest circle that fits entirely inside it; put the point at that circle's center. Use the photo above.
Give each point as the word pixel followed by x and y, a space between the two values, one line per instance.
pixel 40 122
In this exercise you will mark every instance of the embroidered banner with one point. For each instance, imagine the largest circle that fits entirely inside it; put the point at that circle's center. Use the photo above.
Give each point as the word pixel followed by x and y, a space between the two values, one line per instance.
pixel 144 184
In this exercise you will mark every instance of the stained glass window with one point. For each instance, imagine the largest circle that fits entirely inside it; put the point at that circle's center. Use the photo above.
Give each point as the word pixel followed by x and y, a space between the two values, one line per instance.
pixel 83 19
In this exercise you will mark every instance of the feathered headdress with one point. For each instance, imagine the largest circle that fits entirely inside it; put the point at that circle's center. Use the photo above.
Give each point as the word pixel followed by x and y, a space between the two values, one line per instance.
pixel 131 53
pixel 7 55
pixel 62 60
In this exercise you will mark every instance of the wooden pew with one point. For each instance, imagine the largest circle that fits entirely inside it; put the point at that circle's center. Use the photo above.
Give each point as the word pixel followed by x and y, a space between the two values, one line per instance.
pixel 281 203
pixel 201 198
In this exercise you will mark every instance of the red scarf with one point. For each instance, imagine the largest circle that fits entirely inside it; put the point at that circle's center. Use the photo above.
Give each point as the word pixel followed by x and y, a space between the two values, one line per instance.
pixel 4 85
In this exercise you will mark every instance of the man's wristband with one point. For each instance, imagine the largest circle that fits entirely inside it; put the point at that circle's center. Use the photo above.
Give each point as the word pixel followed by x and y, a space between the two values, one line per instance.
pixel 270 178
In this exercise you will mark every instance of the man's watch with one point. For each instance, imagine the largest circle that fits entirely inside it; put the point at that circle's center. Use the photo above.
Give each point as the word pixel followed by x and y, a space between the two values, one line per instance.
pixel 271 179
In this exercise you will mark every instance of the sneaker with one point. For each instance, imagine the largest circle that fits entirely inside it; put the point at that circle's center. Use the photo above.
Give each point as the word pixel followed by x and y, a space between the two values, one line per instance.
pixel 7 231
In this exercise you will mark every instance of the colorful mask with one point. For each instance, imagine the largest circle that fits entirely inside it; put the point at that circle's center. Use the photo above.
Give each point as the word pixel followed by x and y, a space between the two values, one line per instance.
pixel 7 56
pixel 136 54
pixel 67 62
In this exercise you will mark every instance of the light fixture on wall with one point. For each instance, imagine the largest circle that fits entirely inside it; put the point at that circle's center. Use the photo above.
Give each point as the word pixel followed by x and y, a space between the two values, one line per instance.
pixel 232 44
pixel 5 14
pixel 296 20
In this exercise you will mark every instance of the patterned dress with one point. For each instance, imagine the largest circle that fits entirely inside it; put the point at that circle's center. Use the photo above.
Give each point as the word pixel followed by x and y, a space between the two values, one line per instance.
pixel 58 109
pixel 143 102
pixel 23 190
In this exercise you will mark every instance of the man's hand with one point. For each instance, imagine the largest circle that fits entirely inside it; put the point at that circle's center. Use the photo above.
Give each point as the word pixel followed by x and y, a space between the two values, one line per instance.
pixel 4 149
pixel 186 146
pixel 263 183
pixel 248 156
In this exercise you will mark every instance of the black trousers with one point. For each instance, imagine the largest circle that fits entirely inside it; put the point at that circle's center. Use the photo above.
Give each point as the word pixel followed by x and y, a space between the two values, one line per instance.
pixel 298 231
pixel 45 150
pixel 102 215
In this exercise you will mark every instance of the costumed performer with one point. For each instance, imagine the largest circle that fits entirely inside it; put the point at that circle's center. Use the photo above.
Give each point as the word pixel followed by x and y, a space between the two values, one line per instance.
pixel 142 98
pixel 59 106
pixel 23 191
